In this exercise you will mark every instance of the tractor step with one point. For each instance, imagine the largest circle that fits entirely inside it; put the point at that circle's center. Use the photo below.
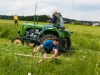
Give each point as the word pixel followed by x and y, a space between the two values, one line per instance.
pixel 30 39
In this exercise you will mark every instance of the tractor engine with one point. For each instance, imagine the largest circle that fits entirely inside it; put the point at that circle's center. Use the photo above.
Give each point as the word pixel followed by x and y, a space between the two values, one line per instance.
pixel 33 33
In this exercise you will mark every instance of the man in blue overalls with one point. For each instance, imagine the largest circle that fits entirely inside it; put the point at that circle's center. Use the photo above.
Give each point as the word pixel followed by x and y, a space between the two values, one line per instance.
pixel 55 20
pixel 49 46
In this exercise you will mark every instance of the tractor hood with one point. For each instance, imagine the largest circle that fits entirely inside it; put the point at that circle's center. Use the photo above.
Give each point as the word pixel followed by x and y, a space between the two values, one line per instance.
pixel 29 25
pixel 25 26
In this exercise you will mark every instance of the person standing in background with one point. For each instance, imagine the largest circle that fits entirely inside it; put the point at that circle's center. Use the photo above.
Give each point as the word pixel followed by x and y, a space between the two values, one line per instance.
pixel 15 19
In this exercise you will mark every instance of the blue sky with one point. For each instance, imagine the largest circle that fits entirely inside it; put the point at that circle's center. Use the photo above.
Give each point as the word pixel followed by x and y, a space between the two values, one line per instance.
pixel 74 9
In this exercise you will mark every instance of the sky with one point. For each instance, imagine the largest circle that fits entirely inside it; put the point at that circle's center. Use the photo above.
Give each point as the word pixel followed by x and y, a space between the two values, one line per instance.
pixel 84 10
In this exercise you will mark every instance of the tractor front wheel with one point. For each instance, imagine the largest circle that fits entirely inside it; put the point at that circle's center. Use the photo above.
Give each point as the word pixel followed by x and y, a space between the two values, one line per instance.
pixel 31 44
pixel 18 40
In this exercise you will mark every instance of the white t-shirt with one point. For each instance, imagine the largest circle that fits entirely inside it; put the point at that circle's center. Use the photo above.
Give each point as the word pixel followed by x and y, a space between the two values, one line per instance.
pixel 61 22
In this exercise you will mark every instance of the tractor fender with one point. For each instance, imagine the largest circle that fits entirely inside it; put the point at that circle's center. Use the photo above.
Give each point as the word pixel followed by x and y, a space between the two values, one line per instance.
pixel 54 32
pixel 68 33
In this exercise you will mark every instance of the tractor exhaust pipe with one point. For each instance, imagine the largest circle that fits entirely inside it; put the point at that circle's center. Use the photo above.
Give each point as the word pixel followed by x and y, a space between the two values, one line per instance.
pixel 35 12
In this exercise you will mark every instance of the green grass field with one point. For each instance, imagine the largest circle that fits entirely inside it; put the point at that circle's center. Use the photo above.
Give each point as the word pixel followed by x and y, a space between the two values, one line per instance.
pixel 84 60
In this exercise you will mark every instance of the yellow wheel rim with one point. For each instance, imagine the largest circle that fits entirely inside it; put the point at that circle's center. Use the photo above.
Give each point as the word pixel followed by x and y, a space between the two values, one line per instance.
pixel 48 39
pixel 17 41
pixel 31 44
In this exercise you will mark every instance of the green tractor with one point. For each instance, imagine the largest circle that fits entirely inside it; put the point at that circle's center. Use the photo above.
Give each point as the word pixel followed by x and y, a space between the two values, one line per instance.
pixel 36 34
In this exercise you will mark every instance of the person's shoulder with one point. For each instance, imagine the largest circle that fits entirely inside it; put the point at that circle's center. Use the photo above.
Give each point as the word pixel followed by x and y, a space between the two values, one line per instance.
pixel 49 40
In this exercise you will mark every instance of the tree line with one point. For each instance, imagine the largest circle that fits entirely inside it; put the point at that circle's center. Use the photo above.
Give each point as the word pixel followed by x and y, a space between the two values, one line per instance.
pixel 43 18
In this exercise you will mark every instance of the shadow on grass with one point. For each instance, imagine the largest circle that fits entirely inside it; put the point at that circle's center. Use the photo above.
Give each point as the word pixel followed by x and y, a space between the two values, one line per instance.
pixel 67 53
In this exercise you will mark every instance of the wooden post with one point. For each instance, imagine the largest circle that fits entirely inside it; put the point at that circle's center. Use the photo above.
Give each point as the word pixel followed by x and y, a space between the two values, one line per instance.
pixel 31 56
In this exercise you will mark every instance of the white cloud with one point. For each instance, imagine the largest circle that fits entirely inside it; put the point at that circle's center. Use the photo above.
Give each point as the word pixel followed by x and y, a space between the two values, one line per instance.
pixel 90 16
pixel 74 9
pixel 85 2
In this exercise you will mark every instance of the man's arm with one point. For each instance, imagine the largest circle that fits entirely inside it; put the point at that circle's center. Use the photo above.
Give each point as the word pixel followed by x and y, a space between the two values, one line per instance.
pixel 54 19
pixel 55 53
pixel 37 49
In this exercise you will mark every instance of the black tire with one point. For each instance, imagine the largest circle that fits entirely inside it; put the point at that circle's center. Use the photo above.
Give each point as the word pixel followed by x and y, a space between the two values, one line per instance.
pixel 18 40
pixel 31 44
pixel 66 44
pixel 47 37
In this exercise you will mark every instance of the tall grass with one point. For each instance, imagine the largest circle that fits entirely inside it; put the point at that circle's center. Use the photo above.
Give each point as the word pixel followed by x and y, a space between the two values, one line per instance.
pixel 83 61
pixel 85 37
pixel 8 30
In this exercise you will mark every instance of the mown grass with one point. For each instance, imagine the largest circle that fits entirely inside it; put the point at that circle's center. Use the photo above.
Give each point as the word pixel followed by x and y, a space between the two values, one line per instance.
pixel 83 61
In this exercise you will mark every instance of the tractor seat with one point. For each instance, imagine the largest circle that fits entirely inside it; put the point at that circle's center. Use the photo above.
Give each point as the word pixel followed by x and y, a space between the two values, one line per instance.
pixel 61 28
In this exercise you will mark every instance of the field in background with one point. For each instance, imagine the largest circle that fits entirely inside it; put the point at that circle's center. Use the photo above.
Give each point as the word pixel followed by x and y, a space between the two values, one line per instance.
pixel 83 61
pixel 20 22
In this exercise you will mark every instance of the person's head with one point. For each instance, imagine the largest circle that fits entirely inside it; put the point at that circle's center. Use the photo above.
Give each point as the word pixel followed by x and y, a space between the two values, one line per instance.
pixel 59 14
pixel 15 14
pixel 54 11
pixel 56 41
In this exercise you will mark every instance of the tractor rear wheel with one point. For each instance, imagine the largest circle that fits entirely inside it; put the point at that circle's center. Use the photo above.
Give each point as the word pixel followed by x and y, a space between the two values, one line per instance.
pixel 47 37
pixel 18 40
pixel 66 43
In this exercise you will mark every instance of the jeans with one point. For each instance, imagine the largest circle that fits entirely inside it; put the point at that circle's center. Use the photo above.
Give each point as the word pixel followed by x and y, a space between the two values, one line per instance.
pixel 44 28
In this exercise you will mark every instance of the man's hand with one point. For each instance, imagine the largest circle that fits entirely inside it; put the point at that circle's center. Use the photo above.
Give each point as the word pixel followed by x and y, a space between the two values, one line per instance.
pixel 37 49
pixel 49 16
pixel 49 21
pixel 34 52
pixel 53 56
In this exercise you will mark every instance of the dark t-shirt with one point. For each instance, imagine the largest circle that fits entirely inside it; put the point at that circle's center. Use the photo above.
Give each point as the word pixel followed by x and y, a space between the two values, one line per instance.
pixel 49 45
